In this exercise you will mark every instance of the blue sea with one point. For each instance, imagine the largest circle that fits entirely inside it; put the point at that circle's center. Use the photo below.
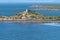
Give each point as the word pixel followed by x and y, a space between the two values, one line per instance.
pixel 12 9
pixel 27 31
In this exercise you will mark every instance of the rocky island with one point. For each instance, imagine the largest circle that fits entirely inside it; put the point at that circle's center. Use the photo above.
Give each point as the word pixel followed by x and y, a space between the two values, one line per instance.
pixel 30 16
pixel 45 7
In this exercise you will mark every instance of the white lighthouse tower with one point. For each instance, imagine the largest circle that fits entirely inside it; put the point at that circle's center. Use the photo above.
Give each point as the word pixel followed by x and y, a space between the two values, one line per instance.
pixel 26 10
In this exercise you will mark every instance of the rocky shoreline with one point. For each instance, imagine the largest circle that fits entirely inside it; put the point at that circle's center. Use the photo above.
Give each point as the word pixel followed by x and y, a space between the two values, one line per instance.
pixel 30 21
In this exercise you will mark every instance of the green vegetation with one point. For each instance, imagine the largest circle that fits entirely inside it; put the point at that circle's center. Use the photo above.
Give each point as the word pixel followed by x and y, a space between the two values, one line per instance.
pixel 2 17
pixel 33 15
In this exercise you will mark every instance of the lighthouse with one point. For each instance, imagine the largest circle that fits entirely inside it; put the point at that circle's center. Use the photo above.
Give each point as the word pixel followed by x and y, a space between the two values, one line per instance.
pixel 26 10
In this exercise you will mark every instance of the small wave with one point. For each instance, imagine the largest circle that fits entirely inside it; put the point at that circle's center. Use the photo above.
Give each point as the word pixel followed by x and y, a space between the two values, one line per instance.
pixel 52 24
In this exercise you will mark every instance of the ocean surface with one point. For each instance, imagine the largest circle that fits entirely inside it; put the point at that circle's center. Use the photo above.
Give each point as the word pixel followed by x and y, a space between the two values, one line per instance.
pixel 12 9
pixel 27 31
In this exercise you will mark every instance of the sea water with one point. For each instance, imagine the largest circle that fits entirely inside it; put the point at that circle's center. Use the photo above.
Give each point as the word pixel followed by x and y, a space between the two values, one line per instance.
pixel 27 31
pixel 12 9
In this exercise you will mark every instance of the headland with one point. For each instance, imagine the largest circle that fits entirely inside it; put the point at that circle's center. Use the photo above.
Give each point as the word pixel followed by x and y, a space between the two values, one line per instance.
pixel 31 16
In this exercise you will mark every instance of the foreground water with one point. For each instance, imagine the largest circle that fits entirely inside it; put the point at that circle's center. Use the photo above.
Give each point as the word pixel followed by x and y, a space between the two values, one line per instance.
pixel 23 31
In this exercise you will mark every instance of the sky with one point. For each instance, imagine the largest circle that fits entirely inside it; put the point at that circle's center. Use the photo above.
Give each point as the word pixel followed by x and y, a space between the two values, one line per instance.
pixel 27 1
